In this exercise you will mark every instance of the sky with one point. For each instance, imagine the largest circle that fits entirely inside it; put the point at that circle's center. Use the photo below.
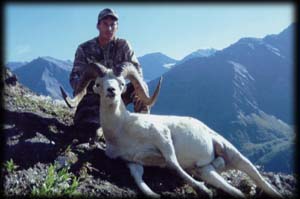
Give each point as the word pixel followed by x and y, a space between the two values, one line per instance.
pixel 176 29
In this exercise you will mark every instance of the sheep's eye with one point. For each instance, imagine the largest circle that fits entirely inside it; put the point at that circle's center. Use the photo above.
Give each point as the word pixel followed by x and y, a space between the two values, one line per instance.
pixel 97 84
pixel 122 84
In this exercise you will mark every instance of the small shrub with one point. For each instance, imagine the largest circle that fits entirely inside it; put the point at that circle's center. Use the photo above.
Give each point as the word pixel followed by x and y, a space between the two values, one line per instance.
pixel 57 183
pixel 10 166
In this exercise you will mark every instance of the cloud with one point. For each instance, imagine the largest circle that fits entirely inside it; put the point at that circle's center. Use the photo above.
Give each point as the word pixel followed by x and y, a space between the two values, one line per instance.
pixel 23 49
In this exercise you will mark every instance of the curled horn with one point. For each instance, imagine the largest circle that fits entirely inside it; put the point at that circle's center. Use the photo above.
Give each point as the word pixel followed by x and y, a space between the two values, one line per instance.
pixel 129 71
pixel 93 71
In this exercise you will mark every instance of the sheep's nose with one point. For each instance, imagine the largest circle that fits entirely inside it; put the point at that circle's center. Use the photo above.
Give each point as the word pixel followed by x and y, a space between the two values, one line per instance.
pixel 111 90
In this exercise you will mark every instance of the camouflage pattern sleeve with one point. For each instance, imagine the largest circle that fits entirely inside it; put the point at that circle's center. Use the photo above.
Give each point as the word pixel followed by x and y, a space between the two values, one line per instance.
pixel 130 56
pixel 78 67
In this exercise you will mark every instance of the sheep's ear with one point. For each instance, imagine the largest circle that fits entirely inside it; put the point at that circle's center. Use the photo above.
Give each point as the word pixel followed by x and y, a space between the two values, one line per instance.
pixel 96 86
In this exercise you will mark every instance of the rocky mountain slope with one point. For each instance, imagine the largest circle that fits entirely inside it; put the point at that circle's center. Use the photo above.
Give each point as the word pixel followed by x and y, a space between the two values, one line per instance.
pixel 44 154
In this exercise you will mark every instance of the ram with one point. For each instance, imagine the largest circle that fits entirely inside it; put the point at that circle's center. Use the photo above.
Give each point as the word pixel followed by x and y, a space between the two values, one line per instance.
pixel 184 144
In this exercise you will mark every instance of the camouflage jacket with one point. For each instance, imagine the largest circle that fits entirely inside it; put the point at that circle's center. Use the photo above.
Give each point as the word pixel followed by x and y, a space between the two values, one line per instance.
pixel 114 53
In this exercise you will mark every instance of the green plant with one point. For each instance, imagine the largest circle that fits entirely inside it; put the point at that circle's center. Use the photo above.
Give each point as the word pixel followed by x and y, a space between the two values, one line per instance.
pixel 10 166
pixel 57 183
pixel 68 149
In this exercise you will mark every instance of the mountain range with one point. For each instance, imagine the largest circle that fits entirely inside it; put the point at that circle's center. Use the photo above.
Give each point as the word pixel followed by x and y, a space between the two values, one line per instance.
pixel 44 75
pixel 244 92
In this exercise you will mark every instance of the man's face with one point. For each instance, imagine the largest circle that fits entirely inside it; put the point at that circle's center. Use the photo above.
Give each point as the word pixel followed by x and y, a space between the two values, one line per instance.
pixel 108 28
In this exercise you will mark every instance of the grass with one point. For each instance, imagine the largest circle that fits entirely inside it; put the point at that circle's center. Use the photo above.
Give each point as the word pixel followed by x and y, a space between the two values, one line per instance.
pixel 34 103
pixel 10 166
pixel 57 183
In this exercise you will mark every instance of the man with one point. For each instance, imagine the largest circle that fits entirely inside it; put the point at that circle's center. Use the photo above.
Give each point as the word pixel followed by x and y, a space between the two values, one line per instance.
pixel 110 51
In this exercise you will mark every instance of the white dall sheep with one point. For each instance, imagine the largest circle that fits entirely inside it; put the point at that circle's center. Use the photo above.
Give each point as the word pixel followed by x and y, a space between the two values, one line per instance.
pixel 184 144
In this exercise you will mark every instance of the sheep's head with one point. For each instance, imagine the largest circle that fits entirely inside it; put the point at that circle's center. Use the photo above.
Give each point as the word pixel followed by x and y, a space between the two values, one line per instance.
pixel 110 84
pixel 110 87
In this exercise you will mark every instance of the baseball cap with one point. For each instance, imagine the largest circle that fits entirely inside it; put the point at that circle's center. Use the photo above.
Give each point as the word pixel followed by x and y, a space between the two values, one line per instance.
pixel 107 12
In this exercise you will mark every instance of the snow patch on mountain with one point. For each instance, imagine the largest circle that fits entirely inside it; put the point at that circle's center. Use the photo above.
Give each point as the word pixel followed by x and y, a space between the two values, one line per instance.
pixel 243 87
pixel 169 65
pixel 274 50
pixel 251 42
pixel 241 71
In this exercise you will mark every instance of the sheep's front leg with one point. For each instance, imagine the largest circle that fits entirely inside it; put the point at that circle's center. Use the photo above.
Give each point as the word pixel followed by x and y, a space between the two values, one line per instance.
pixel 137 170
pixel 165 145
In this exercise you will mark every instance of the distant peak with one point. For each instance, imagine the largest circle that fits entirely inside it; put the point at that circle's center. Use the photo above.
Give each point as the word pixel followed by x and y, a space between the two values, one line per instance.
pixel 250 40
pixel 155 54
pixel 48 57
pixel 67 65
pixel 206 52
pixel 51 59
pixel 158 55
pixel 200 53
pixel 207 49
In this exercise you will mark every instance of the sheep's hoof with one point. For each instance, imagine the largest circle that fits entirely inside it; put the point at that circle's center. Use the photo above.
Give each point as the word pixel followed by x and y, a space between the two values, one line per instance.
pixel 204 191
pixel 206 194
pixel 209 194
pixel 154 195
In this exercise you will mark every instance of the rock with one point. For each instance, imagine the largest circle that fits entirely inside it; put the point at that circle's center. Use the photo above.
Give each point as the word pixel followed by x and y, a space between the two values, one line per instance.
pixel 9 77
